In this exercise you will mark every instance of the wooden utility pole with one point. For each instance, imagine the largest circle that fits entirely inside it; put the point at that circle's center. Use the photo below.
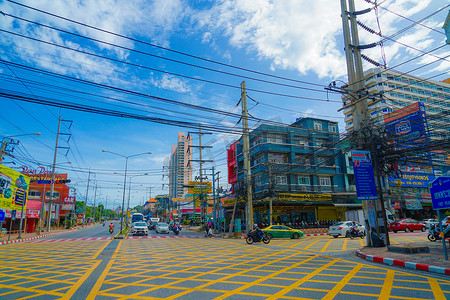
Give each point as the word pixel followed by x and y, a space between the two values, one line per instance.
pixel 246 154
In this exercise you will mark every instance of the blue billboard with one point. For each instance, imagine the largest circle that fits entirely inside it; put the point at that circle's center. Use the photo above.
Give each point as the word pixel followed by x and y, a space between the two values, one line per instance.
pixel 365 180
pixel 409 125
pixel 440 193
pixel 412 180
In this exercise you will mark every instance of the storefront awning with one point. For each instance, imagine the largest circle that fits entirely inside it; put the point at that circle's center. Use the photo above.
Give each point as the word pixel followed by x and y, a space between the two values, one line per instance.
pixel 34 204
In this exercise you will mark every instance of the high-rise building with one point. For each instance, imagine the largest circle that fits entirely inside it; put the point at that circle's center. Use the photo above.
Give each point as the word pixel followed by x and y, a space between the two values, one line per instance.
pixel 180 170
pixel 400 90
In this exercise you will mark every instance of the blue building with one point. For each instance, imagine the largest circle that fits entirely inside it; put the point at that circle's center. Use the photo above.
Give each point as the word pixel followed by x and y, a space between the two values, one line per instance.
pixel 298 170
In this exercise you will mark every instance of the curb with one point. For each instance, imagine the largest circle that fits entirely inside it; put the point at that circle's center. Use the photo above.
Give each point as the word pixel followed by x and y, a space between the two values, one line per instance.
pixel 404 264
pixel 315 234
pixel 27 239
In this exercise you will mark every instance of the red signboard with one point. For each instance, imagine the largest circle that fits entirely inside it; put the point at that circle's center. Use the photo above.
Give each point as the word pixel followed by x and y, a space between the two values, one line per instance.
pixel 33 213
pixel 68 200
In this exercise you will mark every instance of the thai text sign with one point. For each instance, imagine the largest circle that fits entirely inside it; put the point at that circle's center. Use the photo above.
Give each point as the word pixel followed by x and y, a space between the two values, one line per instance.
pixel 440 193
pixel 365 180
pixel 13 188
pixel 306 197
pixel 196 188
pixel 412 180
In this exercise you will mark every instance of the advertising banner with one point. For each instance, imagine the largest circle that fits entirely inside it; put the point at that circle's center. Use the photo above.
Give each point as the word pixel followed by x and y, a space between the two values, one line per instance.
pixel 33 213
pixel 196 189
pixel 365 180
pixel 13 189
pixel 68 200
pixel 412 180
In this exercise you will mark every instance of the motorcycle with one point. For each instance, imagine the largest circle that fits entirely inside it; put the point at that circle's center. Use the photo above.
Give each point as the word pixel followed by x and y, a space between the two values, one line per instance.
pixel 253 237
pixel 103 224
pixel 208 233
pixel 111 230
pixel 360 233
pixel 176 231
pixel 434 233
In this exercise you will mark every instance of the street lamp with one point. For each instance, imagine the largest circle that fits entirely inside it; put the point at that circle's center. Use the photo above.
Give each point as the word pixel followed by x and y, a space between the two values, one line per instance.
pixel 5 142
pixel 125 178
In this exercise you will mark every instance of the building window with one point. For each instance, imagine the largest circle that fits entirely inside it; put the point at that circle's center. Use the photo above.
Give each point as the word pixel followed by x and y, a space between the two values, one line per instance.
pixel 259 159
pixel 318 125
pixel 300 141
pixel 35 193
pixel 332 128
pixel 325 180
pixel 278 158
pixel 303 180
pixel 258 181
pixel 275 138
pixel 281 179
pixel 55 195
pixel 302 160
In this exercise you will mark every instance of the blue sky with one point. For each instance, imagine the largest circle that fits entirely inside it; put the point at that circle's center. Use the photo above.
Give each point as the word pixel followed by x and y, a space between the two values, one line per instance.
pixel 296 39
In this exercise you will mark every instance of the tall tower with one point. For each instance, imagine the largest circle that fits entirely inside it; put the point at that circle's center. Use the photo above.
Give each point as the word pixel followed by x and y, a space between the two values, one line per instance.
pixel 180 171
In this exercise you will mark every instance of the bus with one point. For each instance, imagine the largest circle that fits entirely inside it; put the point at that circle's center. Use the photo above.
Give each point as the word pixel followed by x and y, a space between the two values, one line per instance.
pixel 137 217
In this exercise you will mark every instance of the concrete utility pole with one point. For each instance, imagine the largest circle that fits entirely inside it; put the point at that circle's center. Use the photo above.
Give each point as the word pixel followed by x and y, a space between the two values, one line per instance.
pixel 361 119
pixel 52 183
pixel 203 206
pixel 246 154
pixel 95 198
pixel 87 193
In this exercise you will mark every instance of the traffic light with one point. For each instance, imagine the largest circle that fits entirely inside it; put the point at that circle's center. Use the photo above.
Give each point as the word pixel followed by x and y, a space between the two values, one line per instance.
pixel 62 181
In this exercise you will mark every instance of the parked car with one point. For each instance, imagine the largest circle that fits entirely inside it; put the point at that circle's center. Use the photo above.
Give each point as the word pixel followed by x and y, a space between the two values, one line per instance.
pixel 281 231
pixel 344 228
pixel 429 222
pixel 407 225
pixel 446 220
pixel 162 228
pixel 139 228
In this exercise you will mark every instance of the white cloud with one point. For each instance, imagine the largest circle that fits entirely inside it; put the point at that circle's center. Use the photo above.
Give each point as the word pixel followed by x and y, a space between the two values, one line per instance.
pixel 170 82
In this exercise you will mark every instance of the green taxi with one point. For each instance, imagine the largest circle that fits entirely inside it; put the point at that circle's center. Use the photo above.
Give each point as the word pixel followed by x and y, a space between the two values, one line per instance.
pixel 281 231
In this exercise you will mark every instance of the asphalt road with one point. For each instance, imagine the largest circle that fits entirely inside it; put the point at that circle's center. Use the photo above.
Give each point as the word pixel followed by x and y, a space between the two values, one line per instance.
pixel 88 264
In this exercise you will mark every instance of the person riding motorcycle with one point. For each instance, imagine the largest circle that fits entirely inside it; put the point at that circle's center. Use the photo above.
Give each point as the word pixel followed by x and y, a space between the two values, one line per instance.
pixel 256 231
pixel 354 228
pixel 111 227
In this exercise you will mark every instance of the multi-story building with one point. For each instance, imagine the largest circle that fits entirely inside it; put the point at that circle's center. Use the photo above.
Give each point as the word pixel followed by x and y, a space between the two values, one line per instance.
pixel 400 90
pixel 411 198
pixel 298 168
pixel 180 170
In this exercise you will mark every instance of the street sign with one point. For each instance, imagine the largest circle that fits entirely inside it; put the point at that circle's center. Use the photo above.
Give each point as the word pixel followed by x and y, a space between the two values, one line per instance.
pixel 44 181
pixel 2 215
pixel 365 180
pixel 440 193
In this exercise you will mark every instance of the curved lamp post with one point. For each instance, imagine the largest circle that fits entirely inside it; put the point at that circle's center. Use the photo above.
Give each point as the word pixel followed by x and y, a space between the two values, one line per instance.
pixel 125 178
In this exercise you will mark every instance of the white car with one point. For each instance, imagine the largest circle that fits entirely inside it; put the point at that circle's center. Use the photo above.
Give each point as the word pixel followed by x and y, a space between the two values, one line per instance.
pixel 139 228
pixel 429 222
pixel 343 229
pixel 162 228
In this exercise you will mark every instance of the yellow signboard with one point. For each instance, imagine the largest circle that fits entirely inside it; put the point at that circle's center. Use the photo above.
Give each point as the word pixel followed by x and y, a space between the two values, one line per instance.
pixel 13 189
pixel 196 188
pixel 230 201
pixel 305 197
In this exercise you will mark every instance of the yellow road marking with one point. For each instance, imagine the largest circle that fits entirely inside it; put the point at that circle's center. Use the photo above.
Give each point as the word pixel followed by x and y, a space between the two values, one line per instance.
pixel 300 281
pixel 98 284
pixel 338 287
pixel 307 247
pixel 75 287
pixel 326 246
pixel 411 241
pixel 435 288
pixel 344 246
pixel 387 285
pixel 100 250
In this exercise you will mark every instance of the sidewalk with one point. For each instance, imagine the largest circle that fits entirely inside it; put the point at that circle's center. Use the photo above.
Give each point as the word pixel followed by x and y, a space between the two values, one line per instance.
pixel 434 261
pixel 30 236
